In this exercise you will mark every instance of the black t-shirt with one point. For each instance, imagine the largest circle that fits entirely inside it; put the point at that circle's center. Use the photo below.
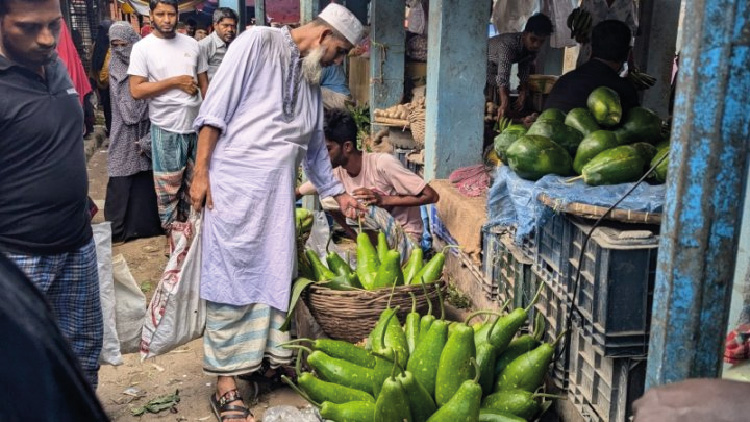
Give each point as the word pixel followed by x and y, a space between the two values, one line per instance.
pixel 42 165
pixel 573 88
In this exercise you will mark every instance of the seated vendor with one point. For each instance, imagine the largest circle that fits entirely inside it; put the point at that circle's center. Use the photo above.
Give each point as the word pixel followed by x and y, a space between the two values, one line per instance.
pixel 373 178
pixel 610 48
pixel 520 48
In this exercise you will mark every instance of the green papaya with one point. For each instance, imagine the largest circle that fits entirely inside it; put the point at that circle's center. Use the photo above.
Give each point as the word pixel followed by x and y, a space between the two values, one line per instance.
pixel 617 165
pixel 506 138
pixel 534 156
pixel 641 125
pixel 582 120
pixel 553 114
pixel 557 132
pixel 591 146
pixel 660 173
pixel 646 150
pixel 604 104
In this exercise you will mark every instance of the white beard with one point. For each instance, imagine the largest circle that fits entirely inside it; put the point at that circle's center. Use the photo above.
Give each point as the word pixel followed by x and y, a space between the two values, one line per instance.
pixel 312 70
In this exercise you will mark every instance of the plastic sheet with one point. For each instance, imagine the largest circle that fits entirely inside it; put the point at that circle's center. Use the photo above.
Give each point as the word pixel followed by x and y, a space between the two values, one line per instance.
pixel 513 201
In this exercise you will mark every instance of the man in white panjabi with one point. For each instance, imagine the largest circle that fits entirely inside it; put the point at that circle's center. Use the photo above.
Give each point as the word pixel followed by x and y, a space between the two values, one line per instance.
pixel 262 115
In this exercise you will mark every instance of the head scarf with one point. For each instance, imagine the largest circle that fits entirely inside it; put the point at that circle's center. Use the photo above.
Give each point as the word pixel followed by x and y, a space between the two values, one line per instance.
pixel 101 45
pixel 132 110
pixel 67 52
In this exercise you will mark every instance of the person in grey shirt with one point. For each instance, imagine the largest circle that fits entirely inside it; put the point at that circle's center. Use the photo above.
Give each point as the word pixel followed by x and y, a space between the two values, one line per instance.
pixel 214 46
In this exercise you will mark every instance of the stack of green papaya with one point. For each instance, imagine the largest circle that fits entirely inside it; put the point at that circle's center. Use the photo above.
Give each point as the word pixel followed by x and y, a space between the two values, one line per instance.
pixel 430 370
pixel 377 268
pixel 597 142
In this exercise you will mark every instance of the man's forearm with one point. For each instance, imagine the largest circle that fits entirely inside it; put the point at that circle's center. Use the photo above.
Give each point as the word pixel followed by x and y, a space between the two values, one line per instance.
pixel 208 137
pixel 423 198
pixel 142 90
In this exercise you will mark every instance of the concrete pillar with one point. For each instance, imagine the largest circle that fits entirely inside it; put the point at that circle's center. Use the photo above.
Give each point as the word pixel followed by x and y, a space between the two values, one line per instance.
pixel 456 72
pixel 260 12
pixel 705 188
pixel 655 49
pixel 308 10
pixel 387 53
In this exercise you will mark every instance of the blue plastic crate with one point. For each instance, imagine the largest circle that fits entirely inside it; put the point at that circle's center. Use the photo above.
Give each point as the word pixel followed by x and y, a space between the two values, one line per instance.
pixel 552 249
pixel 615 287
pixel 506 268
pixel 608 386
pixel 552 304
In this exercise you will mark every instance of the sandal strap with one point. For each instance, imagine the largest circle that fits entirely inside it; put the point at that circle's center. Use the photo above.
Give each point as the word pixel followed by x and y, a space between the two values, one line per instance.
pixel 229 397
pixel 227 417
pixel 232 408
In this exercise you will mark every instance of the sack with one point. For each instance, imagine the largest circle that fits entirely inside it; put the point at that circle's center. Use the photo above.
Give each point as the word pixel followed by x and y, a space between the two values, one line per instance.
pixel 110 354
pixel 177 314
pixel 130 306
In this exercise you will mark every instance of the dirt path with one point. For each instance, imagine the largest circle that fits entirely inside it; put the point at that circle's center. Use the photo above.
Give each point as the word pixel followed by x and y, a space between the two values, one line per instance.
pixel 134 383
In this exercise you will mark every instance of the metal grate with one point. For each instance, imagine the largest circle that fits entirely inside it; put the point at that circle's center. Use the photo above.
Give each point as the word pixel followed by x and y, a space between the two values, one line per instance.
pixel 83 19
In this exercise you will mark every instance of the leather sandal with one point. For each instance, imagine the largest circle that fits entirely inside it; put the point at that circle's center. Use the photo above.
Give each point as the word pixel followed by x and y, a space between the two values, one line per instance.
pixel 222 406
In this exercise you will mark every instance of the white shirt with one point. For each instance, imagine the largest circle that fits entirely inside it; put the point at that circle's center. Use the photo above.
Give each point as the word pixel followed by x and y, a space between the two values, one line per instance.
pixel 158 59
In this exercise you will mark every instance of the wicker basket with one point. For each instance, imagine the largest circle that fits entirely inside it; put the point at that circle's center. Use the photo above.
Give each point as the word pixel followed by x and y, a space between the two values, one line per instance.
pixel 417 125
pixel 351 315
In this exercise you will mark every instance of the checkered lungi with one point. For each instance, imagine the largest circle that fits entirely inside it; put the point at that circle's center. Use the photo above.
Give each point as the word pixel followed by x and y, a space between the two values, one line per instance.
pixel 238 338
pixel 173 159
pixel 70 282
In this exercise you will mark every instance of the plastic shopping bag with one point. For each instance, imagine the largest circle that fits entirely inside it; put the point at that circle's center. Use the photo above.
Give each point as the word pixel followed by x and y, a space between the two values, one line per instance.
pixel 130 307
pixel 177 314
pixel 110 354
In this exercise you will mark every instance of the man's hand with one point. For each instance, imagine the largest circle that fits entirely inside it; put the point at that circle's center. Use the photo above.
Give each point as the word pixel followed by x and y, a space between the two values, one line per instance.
pixel 349 206
pixel 186 84
pixel 521 100
pixel 200 190
pixel 368 197
pixel 529 120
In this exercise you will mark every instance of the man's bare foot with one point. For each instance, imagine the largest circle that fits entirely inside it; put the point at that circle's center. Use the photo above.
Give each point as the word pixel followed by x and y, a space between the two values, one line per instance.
pixel 227 402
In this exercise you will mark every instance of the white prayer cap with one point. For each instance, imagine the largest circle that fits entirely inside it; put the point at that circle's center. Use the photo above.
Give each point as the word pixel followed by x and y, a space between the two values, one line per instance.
pixel 344 21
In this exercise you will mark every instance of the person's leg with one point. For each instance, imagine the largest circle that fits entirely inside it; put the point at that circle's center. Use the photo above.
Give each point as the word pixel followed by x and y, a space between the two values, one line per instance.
pixel 116 205
pixel 168 156
pixel 189 142
pixel 70 283
pixel 106 108
pixel 75 301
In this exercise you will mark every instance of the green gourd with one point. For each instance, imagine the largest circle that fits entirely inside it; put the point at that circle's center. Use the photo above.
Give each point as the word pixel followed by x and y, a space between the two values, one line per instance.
pixel 339 349
pixel 527 371
pixel 492 415
pixel 464 405
pixel 425 360
pixel 508 326
pixel 515 402
pixel 389 273
pixel 421 404
pixel 356 411
pixel 322 391
pixel 367 261
pixel 413 265
pixel 341 372
pixel 411 325
pixel 392 404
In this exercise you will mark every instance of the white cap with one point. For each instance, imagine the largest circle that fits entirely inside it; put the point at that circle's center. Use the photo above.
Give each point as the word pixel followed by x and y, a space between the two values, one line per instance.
pixel 344 21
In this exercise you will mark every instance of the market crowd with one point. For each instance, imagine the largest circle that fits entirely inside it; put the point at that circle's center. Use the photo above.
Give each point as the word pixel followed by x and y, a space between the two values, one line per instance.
pixel 198 121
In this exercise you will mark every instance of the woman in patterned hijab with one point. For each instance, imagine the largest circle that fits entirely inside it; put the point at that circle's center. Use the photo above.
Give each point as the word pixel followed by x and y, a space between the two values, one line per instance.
pixel 131 198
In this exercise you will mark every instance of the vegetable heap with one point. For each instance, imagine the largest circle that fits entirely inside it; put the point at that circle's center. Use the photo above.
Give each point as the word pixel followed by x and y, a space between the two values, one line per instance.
pixel 598 143
pixel 377 268
pixel 430 370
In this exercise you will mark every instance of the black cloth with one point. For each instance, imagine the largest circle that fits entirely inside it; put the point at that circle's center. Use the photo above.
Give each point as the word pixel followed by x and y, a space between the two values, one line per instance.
pixel 131 207
pixel 42 165
pixel 41 378
pixel 573 88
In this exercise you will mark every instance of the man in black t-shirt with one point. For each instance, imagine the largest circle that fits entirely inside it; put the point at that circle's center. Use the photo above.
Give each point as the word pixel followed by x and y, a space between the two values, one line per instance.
pixel 610 47
pixel 45 228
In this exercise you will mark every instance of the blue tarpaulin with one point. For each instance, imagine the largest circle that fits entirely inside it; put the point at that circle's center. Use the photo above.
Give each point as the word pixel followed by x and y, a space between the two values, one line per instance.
pixel 513 201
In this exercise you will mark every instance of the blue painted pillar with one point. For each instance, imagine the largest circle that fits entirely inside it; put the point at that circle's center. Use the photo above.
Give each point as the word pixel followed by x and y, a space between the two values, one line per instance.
pixel 707 174
pixel 308 10
pixel 387 53
pixel 260 12
pixel 456 71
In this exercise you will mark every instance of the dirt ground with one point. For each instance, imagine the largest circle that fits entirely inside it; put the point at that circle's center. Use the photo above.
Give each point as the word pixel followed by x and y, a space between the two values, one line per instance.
pixel 134 383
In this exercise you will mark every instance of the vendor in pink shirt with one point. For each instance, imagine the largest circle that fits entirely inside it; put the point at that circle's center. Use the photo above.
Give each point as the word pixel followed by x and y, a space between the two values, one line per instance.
pixel 373 178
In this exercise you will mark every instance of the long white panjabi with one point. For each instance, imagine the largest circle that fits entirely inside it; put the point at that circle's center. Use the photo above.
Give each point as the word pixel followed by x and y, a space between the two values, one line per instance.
pixel 270 120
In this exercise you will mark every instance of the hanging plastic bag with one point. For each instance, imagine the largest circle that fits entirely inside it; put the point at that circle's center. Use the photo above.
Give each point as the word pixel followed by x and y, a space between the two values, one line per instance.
pixel 511 15
pixel 130 306
pixel 110 354
pixel 177 314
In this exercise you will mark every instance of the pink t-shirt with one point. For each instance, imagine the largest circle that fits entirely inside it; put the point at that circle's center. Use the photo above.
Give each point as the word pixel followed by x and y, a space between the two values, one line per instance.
pixel 384 173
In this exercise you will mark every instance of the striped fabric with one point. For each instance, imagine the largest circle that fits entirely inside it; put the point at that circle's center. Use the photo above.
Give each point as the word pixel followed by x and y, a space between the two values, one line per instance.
pixel 70 282
pixel 238 338
pixel 173 156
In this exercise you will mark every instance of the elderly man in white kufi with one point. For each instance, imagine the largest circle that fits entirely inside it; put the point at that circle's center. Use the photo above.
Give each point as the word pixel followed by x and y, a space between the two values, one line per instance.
pixel 262 115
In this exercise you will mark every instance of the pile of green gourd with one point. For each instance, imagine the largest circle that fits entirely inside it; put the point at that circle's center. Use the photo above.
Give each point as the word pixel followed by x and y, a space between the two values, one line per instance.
pixel 376 268
pixel 430 370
